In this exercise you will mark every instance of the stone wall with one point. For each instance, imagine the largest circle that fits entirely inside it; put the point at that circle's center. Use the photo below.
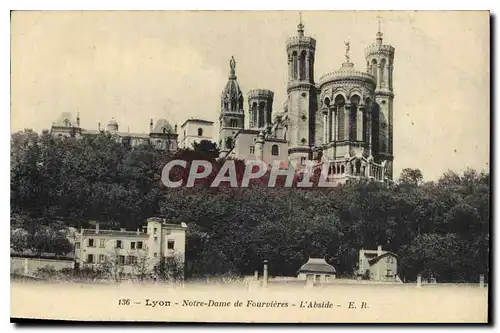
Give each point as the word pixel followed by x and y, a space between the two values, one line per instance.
pixel 29 266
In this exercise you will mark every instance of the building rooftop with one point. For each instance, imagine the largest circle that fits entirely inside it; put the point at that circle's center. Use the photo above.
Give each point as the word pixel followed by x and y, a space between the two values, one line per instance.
pixel 87 232
pixel 376 259
pixel 197 120
pixel 317 265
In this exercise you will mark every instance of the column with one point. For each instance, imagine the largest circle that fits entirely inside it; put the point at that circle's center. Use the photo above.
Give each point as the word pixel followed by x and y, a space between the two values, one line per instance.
pixel 334 124
pixel 378 76
pixel 329 132
pixel 336 130
pixel 359 120
pixel 369 130
pixel 306 72
pixel 346 121
pixel 325 126
pixel 389 78
pixel 264 278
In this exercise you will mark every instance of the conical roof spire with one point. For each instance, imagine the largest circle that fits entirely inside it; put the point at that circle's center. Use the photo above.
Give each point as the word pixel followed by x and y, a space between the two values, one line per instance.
pixel 379 33
pixel 300 26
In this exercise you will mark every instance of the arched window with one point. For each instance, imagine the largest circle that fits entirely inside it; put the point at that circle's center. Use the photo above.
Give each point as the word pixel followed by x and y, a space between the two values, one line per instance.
pixel 339 106
pixel 326 102
pixel 353 118
pixel 254 115
pixel 229 143
pixel 164 130
pixel 66 123
pixel 382 71
pixel 302 65
pixel 262 106
pixel 358 167
pixel 275 150
pixel 294 65
pixel 200 131
pixel 240 103
pixel 374 69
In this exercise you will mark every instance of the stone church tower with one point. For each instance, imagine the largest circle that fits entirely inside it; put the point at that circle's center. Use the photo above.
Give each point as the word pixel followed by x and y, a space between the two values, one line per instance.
pixel 379 62
pixel 302 100
pixel 232 116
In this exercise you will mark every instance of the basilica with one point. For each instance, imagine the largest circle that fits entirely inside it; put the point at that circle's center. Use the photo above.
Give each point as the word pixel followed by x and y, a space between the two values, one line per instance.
pixel 345 120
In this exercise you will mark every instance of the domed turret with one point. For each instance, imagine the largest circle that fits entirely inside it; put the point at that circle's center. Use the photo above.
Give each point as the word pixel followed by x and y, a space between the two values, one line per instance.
pixel 348 73
pixel 232 96
pixel 163 126
pixel 112 125
pixel 232 116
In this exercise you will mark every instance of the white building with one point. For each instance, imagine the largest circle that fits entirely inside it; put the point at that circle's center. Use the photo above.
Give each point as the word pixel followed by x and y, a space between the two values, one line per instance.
pixel 378 265
pixel 195 130
pixel 132 251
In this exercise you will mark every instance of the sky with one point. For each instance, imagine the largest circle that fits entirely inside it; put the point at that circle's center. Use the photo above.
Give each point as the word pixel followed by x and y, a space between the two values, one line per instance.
pixel 133 66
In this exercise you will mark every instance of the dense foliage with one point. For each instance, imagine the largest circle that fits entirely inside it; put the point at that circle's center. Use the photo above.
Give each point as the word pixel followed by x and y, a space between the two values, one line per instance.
pixel 439 228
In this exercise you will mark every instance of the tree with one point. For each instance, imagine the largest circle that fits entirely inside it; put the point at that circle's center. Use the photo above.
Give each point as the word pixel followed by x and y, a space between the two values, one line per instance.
pixel 112 267
pixel 169 269
pixel 49 241
pixel 56 183
pixel 411 176
pixel 141 267
pixel 19 240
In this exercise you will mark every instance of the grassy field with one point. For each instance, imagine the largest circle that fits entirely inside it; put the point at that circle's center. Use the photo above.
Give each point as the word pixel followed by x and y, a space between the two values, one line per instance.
pixel 236 302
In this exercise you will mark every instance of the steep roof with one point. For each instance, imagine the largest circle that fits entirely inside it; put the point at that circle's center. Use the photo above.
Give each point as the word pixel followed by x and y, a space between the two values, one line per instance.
pixel 162 124
pixel 385 254
pixel 317 265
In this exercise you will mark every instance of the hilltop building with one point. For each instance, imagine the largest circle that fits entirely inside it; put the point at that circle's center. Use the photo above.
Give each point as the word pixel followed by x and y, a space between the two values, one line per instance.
pixel 345 120
pixel 195 130
pixel 162 135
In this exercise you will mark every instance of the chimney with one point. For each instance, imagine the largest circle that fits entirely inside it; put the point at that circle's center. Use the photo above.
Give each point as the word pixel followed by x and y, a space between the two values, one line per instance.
pixel 379 250
pixel 264 278
pixel 97 227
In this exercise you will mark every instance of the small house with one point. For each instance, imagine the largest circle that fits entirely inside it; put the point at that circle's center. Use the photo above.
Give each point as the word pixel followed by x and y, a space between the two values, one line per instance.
pixel 378 265
pixel 318 270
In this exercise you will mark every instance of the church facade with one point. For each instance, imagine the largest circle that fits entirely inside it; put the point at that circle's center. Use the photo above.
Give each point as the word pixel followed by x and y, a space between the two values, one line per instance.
pixel 345 120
